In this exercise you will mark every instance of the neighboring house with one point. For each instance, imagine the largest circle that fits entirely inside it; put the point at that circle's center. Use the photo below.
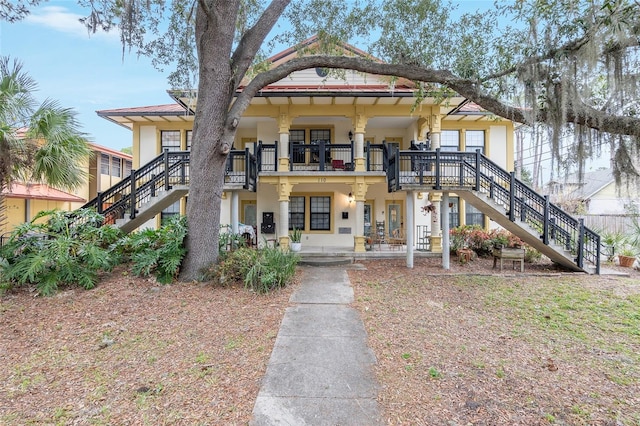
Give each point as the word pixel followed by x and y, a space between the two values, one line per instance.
pixel 23 201
pixel 597 200
pixel 319 141
pixel 595 194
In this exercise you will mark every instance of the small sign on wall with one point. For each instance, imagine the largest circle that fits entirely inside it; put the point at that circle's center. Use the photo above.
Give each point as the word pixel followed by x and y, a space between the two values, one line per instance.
pixel 346 230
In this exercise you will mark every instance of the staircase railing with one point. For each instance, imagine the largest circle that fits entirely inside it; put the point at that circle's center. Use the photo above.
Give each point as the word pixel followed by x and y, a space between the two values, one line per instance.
pixel 168 169
pixel 474 171
pixel 162 173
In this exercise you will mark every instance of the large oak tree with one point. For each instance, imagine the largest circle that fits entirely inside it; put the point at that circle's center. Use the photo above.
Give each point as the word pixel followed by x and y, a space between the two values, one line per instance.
pixel 571 65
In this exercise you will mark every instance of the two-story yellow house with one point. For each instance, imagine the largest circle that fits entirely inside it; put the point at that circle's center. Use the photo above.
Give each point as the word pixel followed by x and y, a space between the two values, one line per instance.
pixel 319 141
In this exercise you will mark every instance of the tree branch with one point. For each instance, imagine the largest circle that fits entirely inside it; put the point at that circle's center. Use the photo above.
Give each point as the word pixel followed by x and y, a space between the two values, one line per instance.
pixel 470 89
pixel 552 53
pixel 252 40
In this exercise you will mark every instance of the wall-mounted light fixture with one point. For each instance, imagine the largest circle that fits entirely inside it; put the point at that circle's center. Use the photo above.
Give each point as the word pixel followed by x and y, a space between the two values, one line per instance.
pixel 350 198
pixel 350 135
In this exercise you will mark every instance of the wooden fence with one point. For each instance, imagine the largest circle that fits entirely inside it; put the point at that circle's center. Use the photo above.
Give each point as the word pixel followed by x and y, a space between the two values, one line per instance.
pixel 609 223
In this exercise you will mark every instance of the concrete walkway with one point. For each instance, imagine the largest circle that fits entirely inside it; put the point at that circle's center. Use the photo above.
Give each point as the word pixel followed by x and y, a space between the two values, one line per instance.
pixel 321 370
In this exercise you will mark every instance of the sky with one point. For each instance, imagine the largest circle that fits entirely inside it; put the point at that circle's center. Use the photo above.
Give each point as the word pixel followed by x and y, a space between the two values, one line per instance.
pixel 88 72
pixel 81 71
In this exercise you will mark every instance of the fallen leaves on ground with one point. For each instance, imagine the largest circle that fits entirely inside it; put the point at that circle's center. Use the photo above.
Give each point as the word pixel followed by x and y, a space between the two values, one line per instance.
pixel 468 346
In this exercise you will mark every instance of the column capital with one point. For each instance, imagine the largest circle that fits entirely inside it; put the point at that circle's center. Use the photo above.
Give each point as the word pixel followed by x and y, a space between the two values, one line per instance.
pixel 435 196
pixel 284 189
pixel 359 190
pixel 359 120
pixel 424 127
pixel 284 119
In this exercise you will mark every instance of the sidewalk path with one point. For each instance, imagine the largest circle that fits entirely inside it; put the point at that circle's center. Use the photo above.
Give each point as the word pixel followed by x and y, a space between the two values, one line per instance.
pixel 321 370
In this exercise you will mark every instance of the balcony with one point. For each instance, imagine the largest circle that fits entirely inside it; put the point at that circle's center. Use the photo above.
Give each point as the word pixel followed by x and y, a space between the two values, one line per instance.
pixel 320 156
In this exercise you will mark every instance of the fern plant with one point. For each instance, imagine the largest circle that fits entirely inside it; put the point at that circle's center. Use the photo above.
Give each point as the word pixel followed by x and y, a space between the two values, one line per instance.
pixel 58 252
pixel 158 252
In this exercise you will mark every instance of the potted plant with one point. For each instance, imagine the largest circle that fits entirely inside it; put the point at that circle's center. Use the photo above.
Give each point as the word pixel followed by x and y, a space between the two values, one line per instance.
pixel 627 255
pixel 612 242
pixel 296 239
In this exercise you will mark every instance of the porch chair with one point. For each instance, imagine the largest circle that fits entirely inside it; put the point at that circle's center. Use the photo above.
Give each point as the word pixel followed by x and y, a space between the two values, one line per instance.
pixel 337 164
pixel 397 238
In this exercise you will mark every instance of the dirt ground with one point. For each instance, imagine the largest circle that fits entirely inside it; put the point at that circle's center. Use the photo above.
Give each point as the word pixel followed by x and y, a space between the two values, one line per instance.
pixel 471 347
pixel 460 347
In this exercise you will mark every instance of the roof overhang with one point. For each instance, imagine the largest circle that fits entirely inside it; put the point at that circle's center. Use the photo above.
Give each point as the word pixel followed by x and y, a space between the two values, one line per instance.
pixel 126 117
pixel 183 110
pixel 39 192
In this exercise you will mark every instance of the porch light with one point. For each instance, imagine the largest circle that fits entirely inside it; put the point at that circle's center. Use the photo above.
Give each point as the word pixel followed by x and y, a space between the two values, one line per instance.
pixel 350 198
pixel 350 135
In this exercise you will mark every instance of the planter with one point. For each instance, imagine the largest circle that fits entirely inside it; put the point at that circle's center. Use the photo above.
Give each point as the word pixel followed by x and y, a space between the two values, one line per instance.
pixel 509 254
pixel 626 261
pixel 295 247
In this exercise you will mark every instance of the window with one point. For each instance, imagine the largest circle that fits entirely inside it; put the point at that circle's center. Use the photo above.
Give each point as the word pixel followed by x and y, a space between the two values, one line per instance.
pixel 296 213
pixel 104 164
pixel 474 139
pixel 116 166
pixel 320 135
pixel 189 138
pixel 320 213
pixel 172 210
pixel 450 140
pixel 473 216
pixel 127 168
pixel 454 212
pixel 170 139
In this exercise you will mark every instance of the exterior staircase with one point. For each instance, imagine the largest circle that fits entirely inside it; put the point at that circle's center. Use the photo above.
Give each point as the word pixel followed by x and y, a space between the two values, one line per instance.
pixel 158 184
pixel 505 199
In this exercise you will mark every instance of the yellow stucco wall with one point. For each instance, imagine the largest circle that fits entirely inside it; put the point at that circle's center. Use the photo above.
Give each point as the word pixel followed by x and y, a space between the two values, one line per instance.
pixel 16 210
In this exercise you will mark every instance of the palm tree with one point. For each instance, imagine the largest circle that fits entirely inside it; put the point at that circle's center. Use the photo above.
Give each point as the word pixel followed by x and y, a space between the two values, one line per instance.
pixel 38 143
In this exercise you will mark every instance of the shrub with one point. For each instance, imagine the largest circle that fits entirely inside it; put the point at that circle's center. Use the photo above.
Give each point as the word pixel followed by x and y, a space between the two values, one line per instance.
pixel 260 270
pixel 67 249
pixel 470 236
pixel 531 255
pixel 228 242
pixel 273 270
pixel 235 267
pixel 156 251
pixel 504 238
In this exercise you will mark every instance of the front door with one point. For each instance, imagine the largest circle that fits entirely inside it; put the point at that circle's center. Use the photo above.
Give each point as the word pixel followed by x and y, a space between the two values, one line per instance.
pixel 394 216
pixel 367 218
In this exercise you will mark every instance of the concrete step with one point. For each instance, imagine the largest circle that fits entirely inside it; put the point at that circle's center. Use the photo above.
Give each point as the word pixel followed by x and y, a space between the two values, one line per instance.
pixel 325 261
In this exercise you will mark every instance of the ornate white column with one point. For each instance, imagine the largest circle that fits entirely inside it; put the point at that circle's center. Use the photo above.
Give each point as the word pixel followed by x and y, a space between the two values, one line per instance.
pixel 359 124
pixel 410 205
pixel 436 228
pixel 284 123
pixel 284 189
pixel 436 197
pixel 234 212
pixel 359 191
pixel 445 231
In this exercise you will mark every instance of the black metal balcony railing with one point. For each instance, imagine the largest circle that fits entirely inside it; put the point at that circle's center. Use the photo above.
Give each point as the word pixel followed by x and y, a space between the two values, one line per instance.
pixel 242 169
pixel 320 157
pixel 464 170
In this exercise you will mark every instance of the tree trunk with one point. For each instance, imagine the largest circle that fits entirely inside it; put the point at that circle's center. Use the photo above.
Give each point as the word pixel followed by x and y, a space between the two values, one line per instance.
pixel 212 139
